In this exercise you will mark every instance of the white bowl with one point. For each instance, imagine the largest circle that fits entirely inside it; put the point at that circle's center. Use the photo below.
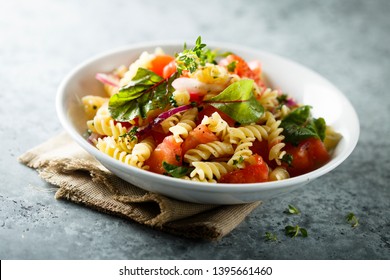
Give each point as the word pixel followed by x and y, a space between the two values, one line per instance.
pixel 306 86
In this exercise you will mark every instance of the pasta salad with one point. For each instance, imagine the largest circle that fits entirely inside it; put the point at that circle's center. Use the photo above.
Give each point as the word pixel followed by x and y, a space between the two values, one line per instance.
pixel 205 116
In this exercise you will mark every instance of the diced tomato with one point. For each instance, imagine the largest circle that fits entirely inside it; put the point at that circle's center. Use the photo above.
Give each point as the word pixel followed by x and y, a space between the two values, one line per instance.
pixel 261 148
pixel 169 69
pixel 208 110
pixel 309 155
pixel 255 172
pixel 169 151
pixel 158 134
pixel 199 135
pixel 242 68
pixel 159 62
pixel 195 97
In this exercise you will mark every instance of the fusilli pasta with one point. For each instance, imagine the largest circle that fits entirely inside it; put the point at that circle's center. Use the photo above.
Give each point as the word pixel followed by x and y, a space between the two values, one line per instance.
pixel 241 153
pixel 185 125
pixel 210 170
pixel 236 134
pixel 213 149
pixel 216 124
pixel 275 138
pixel 104 124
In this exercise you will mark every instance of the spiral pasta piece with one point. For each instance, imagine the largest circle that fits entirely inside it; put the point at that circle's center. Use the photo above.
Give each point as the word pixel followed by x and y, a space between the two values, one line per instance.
pixel 126 143
pixel 216 124
pixel 268 99
pixel 144 148
pixel 185 125
pixel 282 112
pixel 214 149
pixel 104 124
pixel 212 74
pixel 92 103
pixel 279 173
pixel 236 134
pixel 108 146
pixel 210 170
pixel 181 96
pixel 170 121
pixel 141 151
pixel 241 153
pixel 275 138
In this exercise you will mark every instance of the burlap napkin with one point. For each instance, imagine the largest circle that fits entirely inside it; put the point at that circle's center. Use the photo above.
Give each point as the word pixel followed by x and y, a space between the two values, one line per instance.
pixel 82 179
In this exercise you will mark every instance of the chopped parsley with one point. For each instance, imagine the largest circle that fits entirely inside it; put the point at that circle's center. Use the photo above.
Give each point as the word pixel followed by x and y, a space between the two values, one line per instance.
pixel 238 161
pixel 131 134
pixel 176 171
pixel 288 158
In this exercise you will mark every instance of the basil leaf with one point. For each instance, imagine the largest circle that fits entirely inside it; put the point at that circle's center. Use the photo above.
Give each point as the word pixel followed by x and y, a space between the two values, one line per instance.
pixel 176 171
pixel 239 102
pixel 299 125
pixel 147 91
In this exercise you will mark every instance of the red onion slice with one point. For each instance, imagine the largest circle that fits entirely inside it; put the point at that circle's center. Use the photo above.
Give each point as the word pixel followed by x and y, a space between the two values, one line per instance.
pixel 161 117
pixel 107 79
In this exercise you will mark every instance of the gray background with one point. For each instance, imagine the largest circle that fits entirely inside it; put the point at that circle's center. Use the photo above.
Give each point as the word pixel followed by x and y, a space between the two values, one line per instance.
pixel 345 41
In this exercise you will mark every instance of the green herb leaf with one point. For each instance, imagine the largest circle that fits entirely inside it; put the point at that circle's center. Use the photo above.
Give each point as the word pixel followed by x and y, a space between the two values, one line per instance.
pixel 294 231
pixel 239 102
pixel 147 91
pixel 303 232
pixel 299 125
pixel 271 236
pixel 231 66
pixel 282 99
pixel 190 59
pixel 352 219
pixel 288 158
pixel 199 55
pixel 131 134
pixel 238 161
pixel 292 210
pixel 176 171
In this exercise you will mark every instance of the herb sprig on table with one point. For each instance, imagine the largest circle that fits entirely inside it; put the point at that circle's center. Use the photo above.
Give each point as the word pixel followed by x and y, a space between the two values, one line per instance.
pixel 352 219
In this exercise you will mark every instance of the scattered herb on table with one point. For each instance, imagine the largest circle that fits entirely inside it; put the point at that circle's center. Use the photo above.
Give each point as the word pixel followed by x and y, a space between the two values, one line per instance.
pixel 292 210
pixel 271 236
pixel 352 219
pixel 292 231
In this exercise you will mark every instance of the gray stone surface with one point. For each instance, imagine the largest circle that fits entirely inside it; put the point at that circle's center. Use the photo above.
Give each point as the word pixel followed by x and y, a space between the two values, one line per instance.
pixel 346 41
